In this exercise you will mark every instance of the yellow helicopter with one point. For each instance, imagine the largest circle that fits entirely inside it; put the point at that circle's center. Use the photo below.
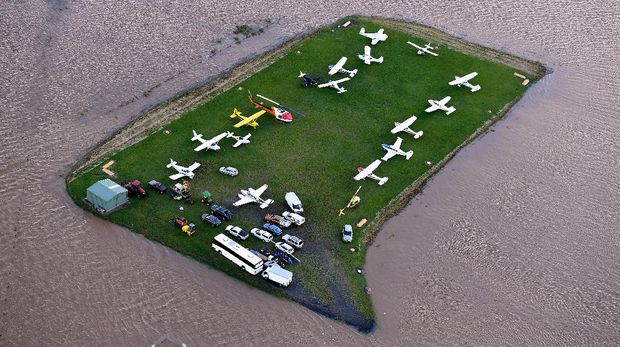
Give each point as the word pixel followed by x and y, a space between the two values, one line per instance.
pixel 355 200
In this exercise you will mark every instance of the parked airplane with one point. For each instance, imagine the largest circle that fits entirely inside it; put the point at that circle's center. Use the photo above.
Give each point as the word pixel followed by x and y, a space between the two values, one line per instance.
pixel 334 84
pixel 367 58
pixel 181 170
pixel 249 121
pixel 368 173
pixel 464 81
pixel 424 50
pixel 252 195
pixel 440 105
pixel 240 139
pixel 375 37
pixel 209 144
pixel 339 68
pixel 394 149
pixel 404 126
pixel 308 81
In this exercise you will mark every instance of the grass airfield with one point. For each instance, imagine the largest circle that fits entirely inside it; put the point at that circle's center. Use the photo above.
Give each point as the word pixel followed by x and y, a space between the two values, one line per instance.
pixel 316 156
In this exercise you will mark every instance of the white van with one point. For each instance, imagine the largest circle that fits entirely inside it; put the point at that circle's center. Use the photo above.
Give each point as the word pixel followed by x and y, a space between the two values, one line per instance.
pixel 277 274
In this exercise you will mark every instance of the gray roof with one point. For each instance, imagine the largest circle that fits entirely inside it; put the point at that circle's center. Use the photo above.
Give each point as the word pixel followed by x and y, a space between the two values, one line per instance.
pixel 106 189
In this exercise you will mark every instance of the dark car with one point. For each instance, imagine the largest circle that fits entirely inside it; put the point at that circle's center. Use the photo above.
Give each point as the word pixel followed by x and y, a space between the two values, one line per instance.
pixel 209 218
pixel 157 186
pixel 221 211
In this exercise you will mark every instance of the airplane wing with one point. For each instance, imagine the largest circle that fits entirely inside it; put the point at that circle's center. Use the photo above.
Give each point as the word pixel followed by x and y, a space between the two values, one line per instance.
pixel 176 176
pixel 414 45
pixel 397 144
pixel 380 31
pixel 456 81
pixel 194 166
pixel 367 51
pixel 341 80
pixel 203 146
pixel 258 192
pixel 444 101
pixel 390 153
pixel 431 108
pixel 244 200
pixel 338 66
pixel 368 170
pixel 250 119
pixel 431 53
pixel 409 121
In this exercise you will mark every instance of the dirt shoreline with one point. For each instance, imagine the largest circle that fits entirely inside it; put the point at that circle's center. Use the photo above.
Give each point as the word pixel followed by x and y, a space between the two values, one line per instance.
pixel 159 115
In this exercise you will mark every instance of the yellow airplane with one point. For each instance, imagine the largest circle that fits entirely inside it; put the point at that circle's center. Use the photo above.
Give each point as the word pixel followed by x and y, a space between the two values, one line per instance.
pixel 250 121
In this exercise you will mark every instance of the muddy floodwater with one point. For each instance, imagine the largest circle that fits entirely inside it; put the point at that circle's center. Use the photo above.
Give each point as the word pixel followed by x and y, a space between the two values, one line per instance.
pixel 516 241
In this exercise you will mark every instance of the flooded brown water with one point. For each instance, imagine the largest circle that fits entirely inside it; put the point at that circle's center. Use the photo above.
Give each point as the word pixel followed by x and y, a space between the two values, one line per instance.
pixel 515 242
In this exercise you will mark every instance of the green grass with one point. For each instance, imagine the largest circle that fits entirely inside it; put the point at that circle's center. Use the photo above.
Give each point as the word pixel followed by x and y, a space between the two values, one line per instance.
pixel 316 156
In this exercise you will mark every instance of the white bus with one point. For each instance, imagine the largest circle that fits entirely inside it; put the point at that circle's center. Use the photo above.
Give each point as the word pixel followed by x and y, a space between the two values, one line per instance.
pixel 238 254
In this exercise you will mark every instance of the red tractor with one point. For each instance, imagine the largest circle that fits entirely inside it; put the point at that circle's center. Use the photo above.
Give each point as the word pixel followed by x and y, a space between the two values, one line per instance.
pixel 135 188
pixel 184 225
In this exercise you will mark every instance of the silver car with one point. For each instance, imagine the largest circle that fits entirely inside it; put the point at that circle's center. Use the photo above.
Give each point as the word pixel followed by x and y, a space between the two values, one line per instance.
pixel 347 233
pixel 261 234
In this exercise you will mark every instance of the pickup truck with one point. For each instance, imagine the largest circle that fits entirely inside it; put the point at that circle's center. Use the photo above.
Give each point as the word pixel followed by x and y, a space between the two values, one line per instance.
pixel 294 217
pixel 275 273
pixel 274 218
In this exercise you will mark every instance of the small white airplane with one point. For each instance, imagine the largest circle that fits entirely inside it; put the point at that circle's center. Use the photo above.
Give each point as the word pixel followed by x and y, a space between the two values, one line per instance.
pixel 375 37
pixel 367 58
pixel 464 81
pixel 334 84
pixel 339 68
pixel 424 50
pixel 240 139
pixel 404 126
pixel 440 105
pixel 181 170
pixel 394 149
pixel 253 195
pixel 367 173
pixel 209 144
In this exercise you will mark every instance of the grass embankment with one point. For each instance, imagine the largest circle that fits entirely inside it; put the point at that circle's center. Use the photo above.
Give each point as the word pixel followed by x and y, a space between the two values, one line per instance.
pixel 316 156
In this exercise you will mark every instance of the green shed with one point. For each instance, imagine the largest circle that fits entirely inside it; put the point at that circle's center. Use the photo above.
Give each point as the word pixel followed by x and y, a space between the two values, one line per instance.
pixel 106 195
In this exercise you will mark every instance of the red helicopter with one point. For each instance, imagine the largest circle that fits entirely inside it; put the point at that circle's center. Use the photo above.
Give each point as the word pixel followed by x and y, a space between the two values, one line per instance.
pixel 281 113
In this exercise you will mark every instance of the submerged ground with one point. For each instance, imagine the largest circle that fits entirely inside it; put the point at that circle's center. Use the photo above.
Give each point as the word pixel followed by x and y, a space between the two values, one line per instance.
pixel 316 156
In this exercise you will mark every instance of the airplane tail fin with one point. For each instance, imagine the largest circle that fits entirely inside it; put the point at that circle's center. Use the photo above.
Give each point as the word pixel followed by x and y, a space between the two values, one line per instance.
pixel 450 110
pixel 380 60
pixel 408 155
pixel 172 162
pixel 301 74
pixel 362 31
pixel 475 88
pixel 266 203
pixel 235 113
pixel 418 134
pixel 196 136
pixel 383 180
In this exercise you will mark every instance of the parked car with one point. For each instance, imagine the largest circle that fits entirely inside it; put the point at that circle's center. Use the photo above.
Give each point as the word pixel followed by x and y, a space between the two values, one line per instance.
pixel 294 217
pixel 157 186
pixel 209 218
pixel 221 211
pixel 293 240
pixel 238 232
pixel 229 170
pixel 293 202
pixel 347 233
pixel 276 219
pixel 272 228
pixel 285 247
pixel 262 235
